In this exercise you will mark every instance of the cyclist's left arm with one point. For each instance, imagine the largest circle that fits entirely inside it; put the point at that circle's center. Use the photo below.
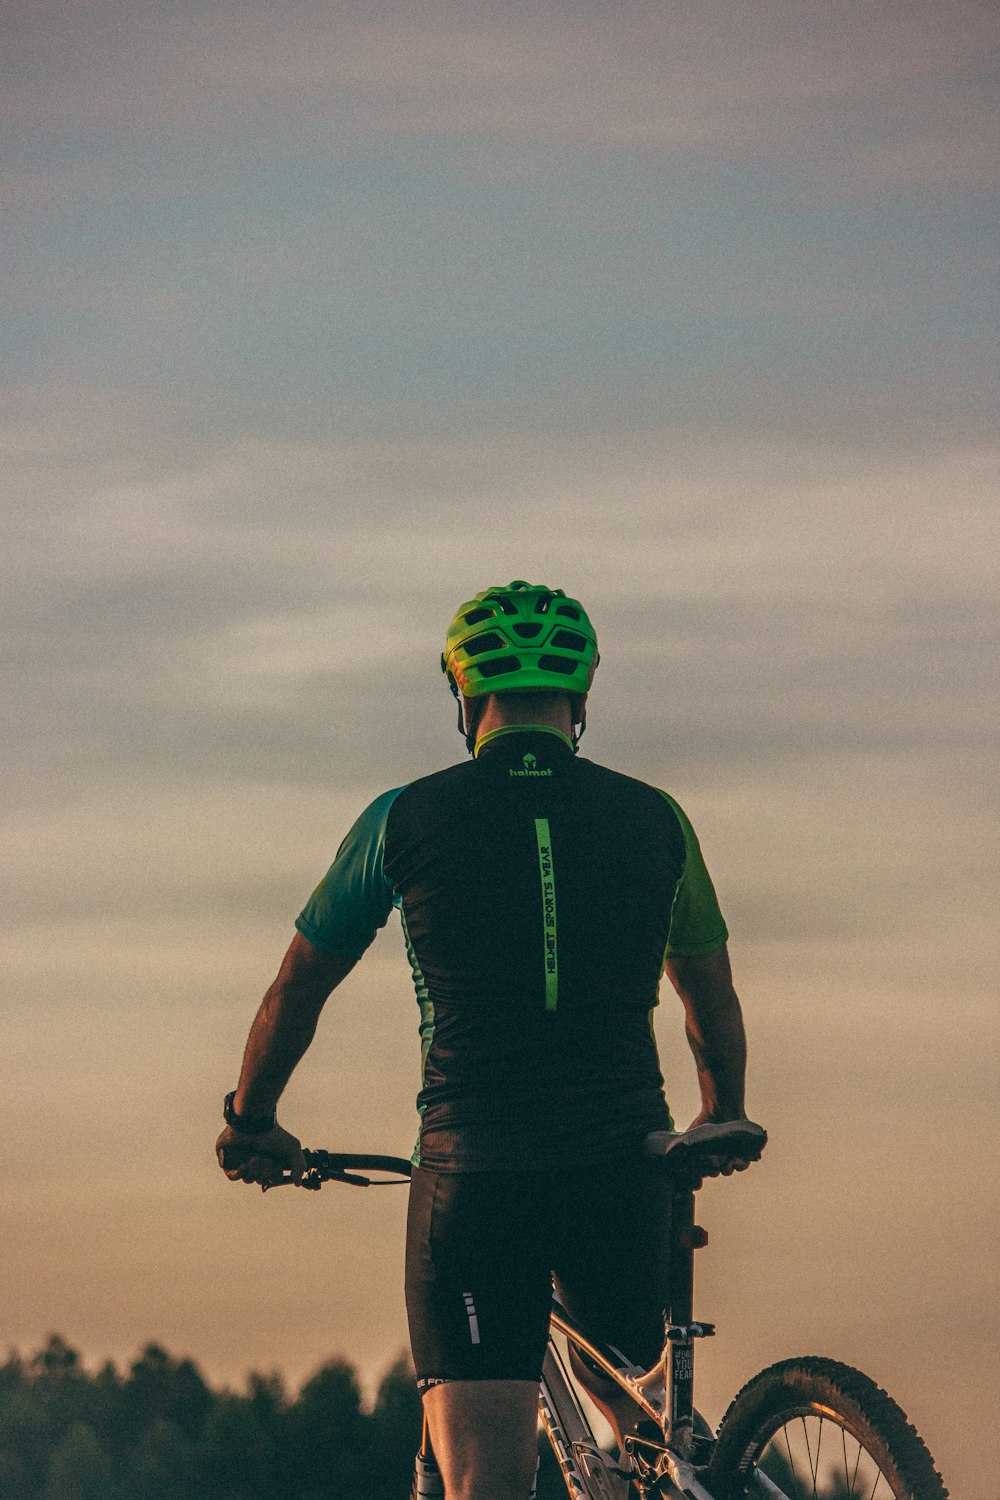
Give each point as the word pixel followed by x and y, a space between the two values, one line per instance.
pixel 335 928
pixel 282 1030
pixel 285 1023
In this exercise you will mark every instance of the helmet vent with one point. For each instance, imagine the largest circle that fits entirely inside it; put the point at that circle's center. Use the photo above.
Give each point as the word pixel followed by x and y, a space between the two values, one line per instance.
pixel 542 604
pixel 488 641
pixel 567 609
pixel 569 640
pixel 550 664
pixel 528 632
pixel 507 605
pixel 475 615
pixel 499 666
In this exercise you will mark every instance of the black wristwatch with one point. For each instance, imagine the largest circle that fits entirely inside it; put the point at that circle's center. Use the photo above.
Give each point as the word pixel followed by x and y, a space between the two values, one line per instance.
pixel 247 1124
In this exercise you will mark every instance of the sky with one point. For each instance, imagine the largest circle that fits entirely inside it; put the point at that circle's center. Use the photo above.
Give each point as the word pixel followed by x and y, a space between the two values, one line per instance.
pixel 322 317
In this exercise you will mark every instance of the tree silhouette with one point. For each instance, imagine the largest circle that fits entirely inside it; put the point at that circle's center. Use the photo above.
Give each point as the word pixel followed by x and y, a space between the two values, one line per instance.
pixel 325 1436
pixel 243 1442
pixel 394 1432
pixel 161 1387
pixel 79 1468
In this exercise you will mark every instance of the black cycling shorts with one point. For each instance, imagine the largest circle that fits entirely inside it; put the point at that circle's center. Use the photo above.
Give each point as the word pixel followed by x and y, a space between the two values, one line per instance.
pixel 483 1248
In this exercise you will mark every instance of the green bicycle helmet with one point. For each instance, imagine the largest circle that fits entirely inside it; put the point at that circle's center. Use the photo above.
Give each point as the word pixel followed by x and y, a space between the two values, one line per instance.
pixel 520 638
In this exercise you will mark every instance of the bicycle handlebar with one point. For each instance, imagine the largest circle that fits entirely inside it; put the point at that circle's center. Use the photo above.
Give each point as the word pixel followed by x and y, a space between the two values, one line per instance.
pixel 691 1155
pixel 327 1166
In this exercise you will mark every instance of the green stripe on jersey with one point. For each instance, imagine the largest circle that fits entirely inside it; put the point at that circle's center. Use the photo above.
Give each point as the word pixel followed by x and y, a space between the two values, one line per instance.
pixel 547 873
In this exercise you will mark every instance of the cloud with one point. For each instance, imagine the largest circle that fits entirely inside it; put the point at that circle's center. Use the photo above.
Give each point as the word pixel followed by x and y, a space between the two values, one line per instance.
pixel 272 612
pixel 304 220
pixel 860 96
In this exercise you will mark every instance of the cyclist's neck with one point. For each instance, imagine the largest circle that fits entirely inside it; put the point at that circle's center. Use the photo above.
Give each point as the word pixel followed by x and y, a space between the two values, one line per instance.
pixel 525 711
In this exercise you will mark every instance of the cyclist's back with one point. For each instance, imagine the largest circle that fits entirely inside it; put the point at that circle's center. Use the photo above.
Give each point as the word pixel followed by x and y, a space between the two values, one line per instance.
pixel 539 894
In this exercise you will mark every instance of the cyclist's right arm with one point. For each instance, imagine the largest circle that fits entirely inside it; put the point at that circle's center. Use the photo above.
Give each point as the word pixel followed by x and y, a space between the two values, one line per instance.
pixel 714 1025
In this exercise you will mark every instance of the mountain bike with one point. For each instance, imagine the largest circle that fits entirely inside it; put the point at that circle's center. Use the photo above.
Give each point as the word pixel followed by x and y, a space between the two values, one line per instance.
pixel 805 1427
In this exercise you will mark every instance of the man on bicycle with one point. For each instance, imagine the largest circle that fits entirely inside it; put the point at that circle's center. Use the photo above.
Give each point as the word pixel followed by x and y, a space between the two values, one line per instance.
pixel 541 897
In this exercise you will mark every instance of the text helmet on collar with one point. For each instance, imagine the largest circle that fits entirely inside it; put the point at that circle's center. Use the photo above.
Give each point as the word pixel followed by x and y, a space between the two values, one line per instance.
pixel 520 638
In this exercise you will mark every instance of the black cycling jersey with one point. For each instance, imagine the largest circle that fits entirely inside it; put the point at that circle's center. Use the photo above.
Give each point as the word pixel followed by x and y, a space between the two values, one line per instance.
pixel 539 894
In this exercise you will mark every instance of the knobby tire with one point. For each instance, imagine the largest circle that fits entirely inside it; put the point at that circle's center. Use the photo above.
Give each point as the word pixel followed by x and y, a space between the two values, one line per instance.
pixel 814 1411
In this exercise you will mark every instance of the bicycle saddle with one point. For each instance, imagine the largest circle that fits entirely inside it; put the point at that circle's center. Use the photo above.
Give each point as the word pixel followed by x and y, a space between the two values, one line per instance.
pixel 730 1140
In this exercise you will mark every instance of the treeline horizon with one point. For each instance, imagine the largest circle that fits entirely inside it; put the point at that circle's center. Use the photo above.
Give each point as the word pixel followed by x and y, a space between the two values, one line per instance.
pixel 160 1431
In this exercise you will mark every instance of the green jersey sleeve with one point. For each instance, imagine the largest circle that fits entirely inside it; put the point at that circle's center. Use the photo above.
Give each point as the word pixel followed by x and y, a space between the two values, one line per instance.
pixel 696 923
pixel 355 897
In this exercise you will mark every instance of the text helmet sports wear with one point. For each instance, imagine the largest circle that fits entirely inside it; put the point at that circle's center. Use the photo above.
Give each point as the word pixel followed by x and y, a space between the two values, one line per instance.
pixel 520 638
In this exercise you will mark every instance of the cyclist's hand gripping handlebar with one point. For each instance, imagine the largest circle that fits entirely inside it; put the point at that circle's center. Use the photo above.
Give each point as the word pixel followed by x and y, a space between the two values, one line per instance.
pixel 274 1155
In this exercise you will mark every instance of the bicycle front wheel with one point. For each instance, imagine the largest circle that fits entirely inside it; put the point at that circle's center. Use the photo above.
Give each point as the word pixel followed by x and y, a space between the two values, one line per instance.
pixel 820 1430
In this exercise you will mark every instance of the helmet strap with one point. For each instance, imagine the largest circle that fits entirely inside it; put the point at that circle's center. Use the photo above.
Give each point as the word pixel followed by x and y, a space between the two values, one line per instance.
pixel 478 704
pixel 578 726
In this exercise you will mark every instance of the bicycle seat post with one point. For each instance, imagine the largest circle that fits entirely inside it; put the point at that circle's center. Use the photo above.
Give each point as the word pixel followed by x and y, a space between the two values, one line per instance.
pixel 685 1237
